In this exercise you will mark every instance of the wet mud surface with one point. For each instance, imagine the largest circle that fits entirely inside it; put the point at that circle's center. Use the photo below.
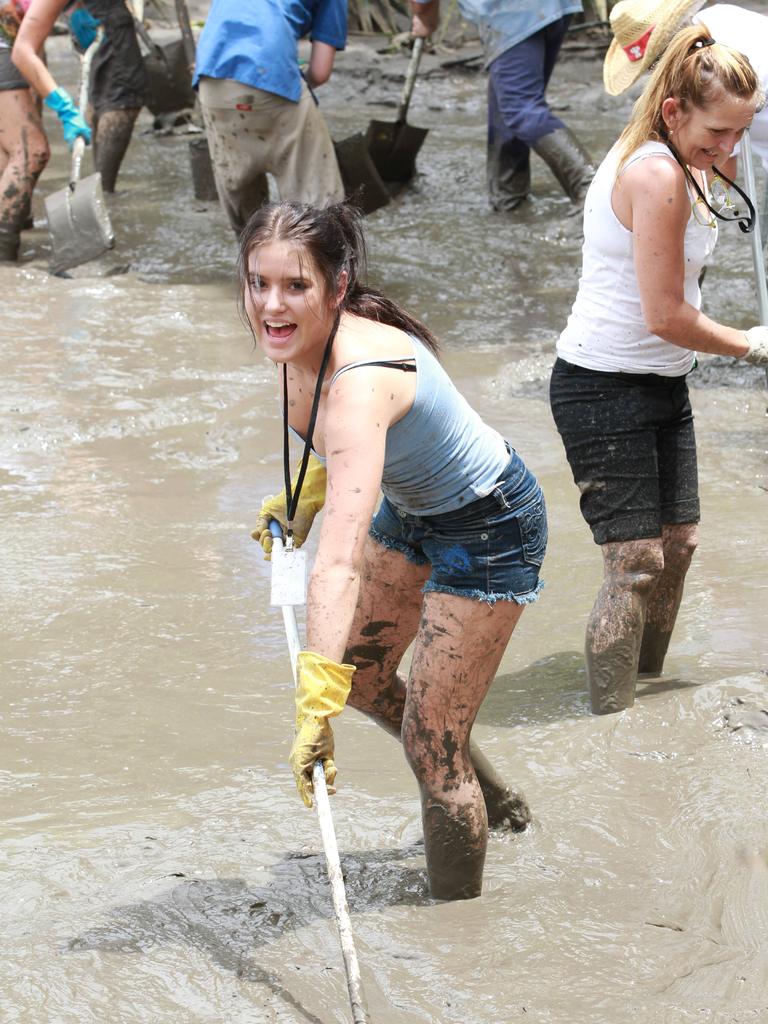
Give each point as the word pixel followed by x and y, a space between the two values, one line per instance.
pixel 157 865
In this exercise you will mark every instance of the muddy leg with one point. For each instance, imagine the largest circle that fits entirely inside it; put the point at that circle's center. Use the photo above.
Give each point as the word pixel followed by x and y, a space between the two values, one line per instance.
pixel 679 542
pixel 506 808
pixel 112 133
pixel 25 153
pixel 615 626
pixel 457 651
pixel 386 621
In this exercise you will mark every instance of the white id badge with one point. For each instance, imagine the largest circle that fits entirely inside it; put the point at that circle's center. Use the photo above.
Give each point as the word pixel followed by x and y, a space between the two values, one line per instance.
pixel 289 576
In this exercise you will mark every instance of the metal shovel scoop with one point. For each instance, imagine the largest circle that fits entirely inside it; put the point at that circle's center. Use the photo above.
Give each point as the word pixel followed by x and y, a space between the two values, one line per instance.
pixel 358 172
pixel 394 146
pixel 78 219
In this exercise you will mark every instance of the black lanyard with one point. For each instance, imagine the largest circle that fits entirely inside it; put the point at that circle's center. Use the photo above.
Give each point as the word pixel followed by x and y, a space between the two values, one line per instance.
pixel 746 221
pixel 292 497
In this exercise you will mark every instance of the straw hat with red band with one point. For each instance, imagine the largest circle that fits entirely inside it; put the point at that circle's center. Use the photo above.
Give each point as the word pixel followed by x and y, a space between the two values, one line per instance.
pixel 641 31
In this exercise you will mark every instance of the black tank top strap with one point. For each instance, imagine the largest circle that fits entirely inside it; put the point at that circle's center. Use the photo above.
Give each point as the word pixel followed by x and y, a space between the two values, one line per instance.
pixel 407 365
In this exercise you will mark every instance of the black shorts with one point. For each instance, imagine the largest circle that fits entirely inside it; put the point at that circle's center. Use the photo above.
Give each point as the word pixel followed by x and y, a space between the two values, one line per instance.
pixel 118 77
pixel 630 444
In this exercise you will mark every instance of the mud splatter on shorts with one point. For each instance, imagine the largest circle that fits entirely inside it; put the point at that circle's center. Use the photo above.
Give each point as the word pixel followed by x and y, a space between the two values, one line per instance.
pixel 631 447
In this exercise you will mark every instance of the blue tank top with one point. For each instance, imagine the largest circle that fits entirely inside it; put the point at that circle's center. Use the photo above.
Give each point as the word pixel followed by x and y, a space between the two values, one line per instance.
pixel 440 455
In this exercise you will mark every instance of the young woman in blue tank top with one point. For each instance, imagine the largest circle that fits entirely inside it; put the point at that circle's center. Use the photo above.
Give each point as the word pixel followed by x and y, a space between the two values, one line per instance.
pixel 449 560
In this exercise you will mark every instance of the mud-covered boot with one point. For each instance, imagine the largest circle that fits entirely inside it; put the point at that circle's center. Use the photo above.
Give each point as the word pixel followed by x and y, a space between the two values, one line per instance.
pixel 568 160
pixel 111 138
pixel 24 215
pixel 10 241
pixel 508 171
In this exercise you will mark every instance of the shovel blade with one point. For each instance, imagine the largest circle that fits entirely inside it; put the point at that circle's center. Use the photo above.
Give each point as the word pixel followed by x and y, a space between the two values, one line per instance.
pixel 401 165
pixel 79 223
pixel 380 138
pixel 394 148
pixel 169 81
pixel 358 172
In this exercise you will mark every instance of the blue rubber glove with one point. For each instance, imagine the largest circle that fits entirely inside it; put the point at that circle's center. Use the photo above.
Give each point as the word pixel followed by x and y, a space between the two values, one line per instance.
pixel 83 25
pixel 71 119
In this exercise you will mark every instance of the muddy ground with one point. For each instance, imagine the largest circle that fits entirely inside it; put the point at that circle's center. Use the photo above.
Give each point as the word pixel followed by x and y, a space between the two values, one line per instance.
pixel 157 864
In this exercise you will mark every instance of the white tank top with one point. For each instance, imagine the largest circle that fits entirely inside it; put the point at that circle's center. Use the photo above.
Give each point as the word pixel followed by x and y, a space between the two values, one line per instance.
pixel 606 329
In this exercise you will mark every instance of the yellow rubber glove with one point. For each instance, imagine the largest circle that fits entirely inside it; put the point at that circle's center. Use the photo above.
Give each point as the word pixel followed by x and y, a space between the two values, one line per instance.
pixel 311 500
pixel 321 693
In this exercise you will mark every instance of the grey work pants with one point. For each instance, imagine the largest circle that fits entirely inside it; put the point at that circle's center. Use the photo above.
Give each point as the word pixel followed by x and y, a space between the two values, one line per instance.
pixel 252 133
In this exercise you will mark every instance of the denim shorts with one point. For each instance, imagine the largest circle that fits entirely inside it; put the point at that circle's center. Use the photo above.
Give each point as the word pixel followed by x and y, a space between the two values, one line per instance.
pixel 490 550
pixel 630 444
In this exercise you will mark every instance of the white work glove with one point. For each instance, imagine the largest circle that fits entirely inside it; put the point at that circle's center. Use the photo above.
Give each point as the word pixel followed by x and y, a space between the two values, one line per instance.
pixel 757 339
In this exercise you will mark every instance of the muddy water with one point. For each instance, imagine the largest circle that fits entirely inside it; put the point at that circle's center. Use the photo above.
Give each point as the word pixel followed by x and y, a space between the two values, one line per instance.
pixel 157 865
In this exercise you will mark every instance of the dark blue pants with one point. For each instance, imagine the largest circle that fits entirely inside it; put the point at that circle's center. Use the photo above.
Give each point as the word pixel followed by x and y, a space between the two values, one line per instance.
pixel 518 113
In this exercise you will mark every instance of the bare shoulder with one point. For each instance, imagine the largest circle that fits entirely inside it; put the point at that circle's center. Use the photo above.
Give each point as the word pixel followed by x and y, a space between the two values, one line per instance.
pixel 360 340
pixel 656 175
pixel 651 192
pixel 381 394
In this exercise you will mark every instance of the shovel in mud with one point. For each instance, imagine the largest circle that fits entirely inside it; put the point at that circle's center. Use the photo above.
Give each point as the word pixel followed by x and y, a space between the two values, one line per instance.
pixel 78 219
pixel 362 182
pixel 394 145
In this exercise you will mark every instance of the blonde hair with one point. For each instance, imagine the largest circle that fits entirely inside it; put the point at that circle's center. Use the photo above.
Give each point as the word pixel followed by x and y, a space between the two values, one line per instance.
pixel 692 70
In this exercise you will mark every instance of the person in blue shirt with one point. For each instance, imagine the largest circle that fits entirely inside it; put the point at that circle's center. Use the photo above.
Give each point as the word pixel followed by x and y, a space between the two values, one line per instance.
pixel 259 114
pixel 521 40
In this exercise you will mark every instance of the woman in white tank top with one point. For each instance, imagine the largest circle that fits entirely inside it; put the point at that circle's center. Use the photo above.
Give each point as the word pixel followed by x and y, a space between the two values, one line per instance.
pixel 618 390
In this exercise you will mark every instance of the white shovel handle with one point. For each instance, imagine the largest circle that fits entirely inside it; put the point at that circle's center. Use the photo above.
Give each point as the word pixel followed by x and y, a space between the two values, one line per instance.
pixel 86 60
pixel 327 831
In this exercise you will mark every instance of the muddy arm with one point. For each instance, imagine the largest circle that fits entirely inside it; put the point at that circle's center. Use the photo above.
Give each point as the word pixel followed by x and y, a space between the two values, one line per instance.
pixel 35 28
pixel 357 419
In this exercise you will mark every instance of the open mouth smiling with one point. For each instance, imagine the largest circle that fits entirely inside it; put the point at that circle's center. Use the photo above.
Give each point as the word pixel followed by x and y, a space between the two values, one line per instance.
pixel 279 329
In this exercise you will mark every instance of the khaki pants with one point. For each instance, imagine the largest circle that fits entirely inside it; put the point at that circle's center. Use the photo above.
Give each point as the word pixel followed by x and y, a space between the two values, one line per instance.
pixel 252 133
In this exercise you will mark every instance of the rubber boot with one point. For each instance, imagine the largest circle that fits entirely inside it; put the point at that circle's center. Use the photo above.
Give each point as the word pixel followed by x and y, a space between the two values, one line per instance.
pixel 508 171
pixel 10 241
pixel 568 160
pixel 110 141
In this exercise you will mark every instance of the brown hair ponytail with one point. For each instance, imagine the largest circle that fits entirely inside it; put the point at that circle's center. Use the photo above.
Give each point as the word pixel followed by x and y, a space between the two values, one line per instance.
pixel 333 239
